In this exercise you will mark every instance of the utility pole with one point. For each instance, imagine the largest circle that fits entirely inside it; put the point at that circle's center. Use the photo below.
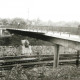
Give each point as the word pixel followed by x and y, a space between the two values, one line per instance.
pixel 28 13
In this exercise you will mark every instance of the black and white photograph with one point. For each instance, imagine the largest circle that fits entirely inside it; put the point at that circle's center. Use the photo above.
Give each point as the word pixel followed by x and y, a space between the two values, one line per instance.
pixel 39 39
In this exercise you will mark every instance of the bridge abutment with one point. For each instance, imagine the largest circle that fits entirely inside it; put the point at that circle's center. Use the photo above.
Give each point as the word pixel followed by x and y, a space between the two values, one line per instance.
pixel 1 32
pixel 26 48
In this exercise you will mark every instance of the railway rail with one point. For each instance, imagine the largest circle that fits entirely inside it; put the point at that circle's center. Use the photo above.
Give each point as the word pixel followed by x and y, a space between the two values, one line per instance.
pixel 7 62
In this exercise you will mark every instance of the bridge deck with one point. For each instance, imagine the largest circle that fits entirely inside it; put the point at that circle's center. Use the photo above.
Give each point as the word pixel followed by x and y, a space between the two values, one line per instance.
pixel 55 34
pixel 61 35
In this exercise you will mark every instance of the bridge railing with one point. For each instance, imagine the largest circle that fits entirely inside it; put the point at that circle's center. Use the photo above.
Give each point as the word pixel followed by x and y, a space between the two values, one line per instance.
pixel 71 30
pixel 68 30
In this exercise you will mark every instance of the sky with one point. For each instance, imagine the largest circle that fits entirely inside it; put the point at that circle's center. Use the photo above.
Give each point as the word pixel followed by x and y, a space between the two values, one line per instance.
pixel 54 10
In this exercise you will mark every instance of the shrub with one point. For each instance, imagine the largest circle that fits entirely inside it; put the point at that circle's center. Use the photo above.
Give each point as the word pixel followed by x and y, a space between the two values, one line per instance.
pixel 17 73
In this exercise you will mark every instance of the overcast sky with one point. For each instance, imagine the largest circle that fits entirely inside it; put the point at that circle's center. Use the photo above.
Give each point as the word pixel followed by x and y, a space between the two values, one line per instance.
pixel 55 10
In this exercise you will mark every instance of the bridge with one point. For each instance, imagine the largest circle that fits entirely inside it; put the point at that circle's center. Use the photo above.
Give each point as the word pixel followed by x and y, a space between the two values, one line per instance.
pixel 57 38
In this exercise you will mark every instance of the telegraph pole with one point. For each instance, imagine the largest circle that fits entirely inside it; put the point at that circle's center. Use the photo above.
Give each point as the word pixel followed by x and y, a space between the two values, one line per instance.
pixel 28 13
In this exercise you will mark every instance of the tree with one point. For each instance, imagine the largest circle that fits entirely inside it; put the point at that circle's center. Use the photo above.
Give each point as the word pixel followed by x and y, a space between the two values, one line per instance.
pixel 18 23
pixel 5 21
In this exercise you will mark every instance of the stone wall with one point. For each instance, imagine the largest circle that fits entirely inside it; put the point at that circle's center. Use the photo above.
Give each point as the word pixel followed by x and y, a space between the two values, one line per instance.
pixel 49 50
pixel 42 50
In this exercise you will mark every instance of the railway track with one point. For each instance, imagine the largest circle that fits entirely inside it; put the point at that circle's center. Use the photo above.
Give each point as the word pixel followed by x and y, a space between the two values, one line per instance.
pixel 30 61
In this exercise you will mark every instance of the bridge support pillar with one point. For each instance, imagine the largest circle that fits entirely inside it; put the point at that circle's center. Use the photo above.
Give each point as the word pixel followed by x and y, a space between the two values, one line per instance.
pixel 56 56
pixel 77 60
